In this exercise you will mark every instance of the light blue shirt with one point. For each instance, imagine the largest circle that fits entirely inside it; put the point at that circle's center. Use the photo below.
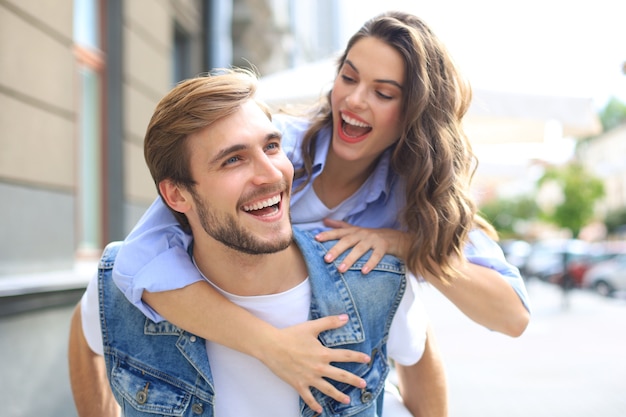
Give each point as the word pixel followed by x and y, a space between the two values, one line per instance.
pixel 154 255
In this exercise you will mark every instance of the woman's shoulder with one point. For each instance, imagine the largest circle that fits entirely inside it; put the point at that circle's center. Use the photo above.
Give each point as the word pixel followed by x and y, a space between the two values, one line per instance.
pixel 287 123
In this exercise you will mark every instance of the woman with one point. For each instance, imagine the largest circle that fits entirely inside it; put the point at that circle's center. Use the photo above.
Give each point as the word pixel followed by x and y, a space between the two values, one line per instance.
pixel 383 165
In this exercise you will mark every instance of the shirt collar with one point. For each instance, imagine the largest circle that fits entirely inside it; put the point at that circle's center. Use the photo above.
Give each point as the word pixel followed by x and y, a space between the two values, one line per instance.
pixel 380 181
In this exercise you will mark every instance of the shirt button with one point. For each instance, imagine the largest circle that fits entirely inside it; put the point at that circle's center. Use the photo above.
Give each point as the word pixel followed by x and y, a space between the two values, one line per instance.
pixel 197 408
pixel 141 397
pixel 193 339
pixel 366 397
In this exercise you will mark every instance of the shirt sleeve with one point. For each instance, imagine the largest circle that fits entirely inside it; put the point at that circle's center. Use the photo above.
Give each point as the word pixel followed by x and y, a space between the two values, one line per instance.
pixel 90 317
pixel 484 251
pixel 154 257
pixel 407 335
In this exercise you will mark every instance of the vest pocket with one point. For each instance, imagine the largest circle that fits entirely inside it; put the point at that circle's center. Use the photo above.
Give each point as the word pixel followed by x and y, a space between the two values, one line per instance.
pixel 374 373
pixel 149 391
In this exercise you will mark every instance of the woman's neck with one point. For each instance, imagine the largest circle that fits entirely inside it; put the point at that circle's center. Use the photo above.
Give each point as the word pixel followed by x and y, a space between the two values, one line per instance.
pixel 340 179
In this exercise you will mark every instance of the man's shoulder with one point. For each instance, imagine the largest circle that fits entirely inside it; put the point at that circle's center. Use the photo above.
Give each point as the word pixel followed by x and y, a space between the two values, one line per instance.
pixel 109 254
pixel 314 251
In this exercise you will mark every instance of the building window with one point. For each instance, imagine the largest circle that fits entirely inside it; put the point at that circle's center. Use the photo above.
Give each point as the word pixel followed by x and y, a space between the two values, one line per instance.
pixel 182 54
pixel 89 142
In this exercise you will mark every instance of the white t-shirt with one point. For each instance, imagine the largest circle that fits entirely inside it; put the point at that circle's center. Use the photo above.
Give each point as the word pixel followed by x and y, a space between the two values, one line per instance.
pixel 237 376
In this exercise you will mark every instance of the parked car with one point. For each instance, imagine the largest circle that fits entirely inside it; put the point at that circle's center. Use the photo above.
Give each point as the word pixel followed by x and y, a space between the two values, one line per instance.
pixel 516 252
pixel 607 277
pixel 547 258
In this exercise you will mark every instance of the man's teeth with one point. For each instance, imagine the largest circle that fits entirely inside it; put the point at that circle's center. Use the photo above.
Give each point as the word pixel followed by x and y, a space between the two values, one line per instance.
pixel 262 204
pixel 353 122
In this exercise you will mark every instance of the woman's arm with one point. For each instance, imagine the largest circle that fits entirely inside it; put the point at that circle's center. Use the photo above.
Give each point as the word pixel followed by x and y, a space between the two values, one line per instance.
pixel 485 297
pixel 294 354
pixel 482 293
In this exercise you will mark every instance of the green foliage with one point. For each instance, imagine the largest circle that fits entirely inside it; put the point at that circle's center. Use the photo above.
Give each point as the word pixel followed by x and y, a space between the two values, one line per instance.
pixel 580 191
pixel 613 114
pixel 505 214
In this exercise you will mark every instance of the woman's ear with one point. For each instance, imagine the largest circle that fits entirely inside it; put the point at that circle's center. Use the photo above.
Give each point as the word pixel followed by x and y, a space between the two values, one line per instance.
pixel 174 196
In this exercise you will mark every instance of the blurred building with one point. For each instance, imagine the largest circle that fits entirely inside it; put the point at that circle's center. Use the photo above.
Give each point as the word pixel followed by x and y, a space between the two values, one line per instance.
pixel 79 80
pixel 605 156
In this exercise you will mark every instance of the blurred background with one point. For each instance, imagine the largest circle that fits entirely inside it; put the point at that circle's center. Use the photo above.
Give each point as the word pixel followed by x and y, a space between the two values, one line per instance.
pixel 79 80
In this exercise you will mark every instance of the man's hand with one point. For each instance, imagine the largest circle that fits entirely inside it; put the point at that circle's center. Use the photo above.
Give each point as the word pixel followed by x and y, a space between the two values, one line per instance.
pixel 297 357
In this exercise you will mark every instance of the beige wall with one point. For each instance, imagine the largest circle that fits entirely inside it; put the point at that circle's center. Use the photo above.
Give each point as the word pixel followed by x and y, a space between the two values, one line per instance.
pixel 37 94
pixel 39 120
pixel 148 35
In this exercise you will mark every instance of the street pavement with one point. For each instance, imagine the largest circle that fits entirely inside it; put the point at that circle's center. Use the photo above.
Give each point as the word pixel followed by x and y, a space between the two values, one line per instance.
pixel 569 362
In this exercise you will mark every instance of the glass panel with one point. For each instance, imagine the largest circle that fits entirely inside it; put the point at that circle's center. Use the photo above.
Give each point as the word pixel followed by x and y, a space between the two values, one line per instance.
pixel 89 160
pixel 86 27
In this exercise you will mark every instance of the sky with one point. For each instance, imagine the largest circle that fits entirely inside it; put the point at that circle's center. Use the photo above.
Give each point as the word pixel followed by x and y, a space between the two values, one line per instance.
pixel 544 47
pixel 549 47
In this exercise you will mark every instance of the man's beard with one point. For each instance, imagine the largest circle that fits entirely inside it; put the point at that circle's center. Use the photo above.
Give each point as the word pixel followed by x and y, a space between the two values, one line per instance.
pixel 226 230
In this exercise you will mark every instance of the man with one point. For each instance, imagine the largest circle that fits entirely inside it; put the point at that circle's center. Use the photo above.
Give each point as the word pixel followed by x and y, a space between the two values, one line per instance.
pixel 217 162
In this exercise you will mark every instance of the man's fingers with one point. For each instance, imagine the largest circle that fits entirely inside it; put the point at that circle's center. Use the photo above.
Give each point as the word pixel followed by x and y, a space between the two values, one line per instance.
pixel 346 355
pixel 327 323
pixel 309 400
pixel 341 375
pixel 329 390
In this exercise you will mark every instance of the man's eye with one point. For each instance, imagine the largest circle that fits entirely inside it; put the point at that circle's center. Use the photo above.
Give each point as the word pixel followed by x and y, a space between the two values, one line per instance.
pixel 272 146
pixel 231 160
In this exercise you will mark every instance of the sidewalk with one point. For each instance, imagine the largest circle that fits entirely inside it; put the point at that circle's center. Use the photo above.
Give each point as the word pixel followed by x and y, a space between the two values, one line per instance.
pixel 568 363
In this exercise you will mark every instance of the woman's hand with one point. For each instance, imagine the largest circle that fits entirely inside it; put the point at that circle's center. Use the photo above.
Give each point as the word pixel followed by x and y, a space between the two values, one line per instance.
pixel 297 357
pixel 361 240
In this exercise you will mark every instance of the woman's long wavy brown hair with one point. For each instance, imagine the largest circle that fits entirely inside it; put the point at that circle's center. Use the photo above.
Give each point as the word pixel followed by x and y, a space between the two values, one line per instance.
pixel 433 155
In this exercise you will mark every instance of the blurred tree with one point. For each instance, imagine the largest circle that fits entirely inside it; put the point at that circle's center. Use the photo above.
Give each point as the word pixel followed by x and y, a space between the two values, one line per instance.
pixel 613 114
pixel 579 189
pixel 506 214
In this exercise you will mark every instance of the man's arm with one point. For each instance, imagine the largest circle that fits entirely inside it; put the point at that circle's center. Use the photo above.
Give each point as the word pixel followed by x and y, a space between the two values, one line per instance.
pixel 423 386
pixel 88 378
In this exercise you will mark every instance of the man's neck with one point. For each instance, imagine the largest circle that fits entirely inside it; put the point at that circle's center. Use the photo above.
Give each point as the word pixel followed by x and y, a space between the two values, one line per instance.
pixel 248 275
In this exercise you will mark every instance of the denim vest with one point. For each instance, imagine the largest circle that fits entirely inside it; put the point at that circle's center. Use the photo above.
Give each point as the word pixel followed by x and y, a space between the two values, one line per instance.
pixel 160 369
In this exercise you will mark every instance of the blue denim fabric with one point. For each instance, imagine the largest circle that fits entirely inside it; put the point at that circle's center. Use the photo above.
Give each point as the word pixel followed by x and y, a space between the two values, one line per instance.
pixel 159 369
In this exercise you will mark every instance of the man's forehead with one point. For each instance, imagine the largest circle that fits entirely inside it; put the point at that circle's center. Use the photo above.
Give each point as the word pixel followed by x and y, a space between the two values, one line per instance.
pixel 248 125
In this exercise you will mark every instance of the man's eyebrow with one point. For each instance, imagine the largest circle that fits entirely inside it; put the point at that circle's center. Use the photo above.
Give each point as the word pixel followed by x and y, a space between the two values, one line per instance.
pixel 241 146
pixel 392 82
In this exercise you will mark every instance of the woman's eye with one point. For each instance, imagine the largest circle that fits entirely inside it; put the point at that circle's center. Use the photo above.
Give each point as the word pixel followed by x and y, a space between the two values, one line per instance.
pixel 347 79
pixel 384 96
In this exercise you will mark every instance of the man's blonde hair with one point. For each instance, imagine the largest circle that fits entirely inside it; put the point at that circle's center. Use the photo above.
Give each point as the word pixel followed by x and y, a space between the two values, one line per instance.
pixel 189 107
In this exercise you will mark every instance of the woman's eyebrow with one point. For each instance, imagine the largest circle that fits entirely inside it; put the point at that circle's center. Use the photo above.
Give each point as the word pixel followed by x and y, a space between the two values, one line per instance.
pixel 380 80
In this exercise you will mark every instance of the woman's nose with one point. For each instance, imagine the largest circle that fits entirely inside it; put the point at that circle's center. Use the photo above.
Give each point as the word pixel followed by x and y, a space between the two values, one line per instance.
pixel 356 99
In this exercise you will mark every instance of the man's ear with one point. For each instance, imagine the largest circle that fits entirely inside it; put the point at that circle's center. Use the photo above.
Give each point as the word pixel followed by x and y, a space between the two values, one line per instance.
pixel 178 199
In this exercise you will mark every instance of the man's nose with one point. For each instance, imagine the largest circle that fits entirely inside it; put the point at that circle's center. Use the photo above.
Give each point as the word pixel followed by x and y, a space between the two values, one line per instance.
pixel 266 170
